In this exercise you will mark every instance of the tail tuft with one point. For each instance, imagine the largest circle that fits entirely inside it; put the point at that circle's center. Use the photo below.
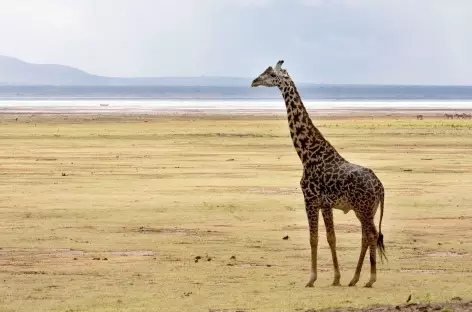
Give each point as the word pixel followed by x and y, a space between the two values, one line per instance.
pixel 380 240
pixel 381 247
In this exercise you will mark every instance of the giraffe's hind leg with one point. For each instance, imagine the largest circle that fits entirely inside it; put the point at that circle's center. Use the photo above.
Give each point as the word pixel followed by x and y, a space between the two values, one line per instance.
pixel 364 246
pixel 372 236
pixel 331 237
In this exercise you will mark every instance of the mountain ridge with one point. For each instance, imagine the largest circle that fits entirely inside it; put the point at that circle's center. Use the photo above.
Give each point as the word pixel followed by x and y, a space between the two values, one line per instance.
pixel 14 71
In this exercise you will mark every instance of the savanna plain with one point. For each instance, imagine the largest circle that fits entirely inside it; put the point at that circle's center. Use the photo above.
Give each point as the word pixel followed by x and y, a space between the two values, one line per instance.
pixel 188 213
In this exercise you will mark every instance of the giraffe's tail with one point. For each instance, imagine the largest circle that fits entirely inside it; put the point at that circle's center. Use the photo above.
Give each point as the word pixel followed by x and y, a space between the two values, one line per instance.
pixel 380 242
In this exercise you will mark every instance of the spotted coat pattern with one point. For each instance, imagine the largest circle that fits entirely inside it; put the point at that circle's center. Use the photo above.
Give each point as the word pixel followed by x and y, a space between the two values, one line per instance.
pixel 329 181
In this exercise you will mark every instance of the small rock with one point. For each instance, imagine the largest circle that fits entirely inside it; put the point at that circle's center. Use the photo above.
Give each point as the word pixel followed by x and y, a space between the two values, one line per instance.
pixel 105 259
pixel 409 298
pixel 75 258
pixel 456 299
pixel 439 244
pixel 233 258
pixel 269 265
pixel 285 237
pixel 96 258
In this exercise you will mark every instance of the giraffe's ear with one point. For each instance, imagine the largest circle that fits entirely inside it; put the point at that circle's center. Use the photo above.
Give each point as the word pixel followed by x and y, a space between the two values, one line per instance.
pixel 279 65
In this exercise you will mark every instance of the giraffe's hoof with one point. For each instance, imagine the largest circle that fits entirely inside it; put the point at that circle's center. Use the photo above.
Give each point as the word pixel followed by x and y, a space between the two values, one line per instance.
pixel 311 281
pixel 368 285
pixel 336 283
pixel 352 283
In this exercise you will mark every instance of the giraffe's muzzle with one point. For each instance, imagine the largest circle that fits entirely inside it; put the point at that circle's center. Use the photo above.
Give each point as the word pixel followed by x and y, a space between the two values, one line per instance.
pixel 256 82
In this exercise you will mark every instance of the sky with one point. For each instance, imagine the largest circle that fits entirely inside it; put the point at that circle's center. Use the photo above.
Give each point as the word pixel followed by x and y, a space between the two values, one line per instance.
pixel 321 41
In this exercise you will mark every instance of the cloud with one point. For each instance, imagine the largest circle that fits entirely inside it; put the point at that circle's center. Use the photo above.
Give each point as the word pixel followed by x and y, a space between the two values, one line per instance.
pixel 326 41
pixel 346 3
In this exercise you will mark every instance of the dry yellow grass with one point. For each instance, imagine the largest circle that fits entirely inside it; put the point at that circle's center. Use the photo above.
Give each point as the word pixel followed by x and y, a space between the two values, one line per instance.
pixel 150 194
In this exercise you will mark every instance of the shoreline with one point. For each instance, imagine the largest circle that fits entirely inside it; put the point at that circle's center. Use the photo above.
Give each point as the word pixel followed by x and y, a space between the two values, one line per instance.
pixel 196 107
pixel 333 112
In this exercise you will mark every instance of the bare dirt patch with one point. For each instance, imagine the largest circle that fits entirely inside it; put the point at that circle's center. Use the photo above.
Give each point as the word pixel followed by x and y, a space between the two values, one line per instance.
pixel 229 310
pixel 132 253
pixel 66 252
pixel 272 190
pixel 179 231
pixel 422 271
pixel 174 231
pixel 445 254
pixel 453 306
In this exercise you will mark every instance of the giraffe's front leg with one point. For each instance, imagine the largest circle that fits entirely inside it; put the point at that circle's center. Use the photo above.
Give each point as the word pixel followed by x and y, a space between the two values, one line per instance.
pixel 313 213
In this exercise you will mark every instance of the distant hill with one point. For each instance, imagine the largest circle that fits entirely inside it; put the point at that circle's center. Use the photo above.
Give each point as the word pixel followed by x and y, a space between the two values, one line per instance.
pixel 16 72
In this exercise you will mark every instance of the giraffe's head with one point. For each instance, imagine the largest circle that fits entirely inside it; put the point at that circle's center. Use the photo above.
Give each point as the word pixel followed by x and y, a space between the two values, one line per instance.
pixel 272 76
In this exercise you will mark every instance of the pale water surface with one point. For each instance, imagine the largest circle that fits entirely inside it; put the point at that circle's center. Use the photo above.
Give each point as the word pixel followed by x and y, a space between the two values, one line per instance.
pixel 219 105
pixel 236 99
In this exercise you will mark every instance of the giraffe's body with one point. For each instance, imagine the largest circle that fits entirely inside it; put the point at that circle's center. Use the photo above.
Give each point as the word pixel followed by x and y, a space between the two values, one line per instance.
pixel 329 181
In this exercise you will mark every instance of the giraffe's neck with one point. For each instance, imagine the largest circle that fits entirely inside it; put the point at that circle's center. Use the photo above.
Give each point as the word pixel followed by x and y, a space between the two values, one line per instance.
pixel 311 146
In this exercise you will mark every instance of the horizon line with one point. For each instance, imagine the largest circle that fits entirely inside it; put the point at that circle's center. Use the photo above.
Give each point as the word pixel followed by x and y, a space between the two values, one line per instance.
pixel 311 83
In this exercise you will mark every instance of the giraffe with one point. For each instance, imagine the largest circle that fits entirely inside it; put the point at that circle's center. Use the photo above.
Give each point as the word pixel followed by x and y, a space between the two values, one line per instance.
pixel 329 181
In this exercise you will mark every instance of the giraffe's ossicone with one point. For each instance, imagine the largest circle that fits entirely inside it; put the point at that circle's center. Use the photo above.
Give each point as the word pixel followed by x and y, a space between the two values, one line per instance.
pixel 329 181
